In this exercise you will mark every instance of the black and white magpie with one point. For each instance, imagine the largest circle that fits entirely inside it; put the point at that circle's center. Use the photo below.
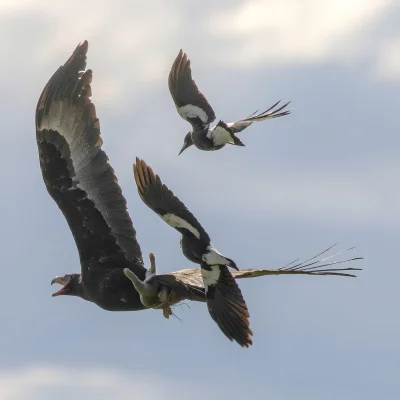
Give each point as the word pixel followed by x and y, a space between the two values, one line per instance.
pixel 194 108
pixel 223 295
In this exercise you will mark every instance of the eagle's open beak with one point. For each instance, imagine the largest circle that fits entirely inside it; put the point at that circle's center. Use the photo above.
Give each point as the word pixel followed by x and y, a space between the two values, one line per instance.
pixel 63 281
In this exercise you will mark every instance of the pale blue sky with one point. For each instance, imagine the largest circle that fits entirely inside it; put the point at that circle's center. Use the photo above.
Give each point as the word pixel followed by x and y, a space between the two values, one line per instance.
pixel 329 172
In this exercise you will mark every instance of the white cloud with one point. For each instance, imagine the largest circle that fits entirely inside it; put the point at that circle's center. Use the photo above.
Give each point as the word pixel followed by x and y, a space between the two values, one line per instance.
pixel 38 382
pixel 49 381
pixel 133 44
pixel 128 41
pixel 388 65
pixel 288 31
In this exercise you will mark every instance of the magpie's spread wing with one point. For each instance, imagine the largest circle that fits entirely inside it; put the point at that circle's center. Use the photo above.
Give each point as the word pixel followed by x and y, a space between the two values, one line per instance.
pixel 76 171
pixel 189 101
pixel 224 298
pixel 164 203
pixel 226 304
pixel 271 112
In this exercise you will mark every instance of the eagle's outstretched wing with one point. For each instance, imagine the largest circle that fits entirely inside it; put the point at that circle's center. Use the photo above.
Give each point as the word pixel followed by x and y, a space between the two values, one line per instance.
pixel 76 171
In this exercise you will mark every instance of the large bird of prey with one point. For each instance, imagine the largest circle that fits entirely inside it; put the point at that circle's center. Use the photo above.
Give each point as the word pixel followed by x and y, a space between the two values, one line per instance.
pixel 193 107
pixel 79 178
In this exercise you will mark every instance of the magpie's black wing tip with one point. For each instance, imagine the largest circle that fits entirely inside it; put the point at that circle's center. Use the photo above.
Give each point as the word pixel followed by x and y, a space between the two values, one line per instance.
pixel 228 308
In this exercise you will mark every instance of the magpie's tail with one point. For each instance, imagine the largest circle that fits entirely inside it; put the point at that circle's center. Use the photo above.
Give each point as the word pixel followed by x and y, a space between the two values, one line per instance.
pixel 237 141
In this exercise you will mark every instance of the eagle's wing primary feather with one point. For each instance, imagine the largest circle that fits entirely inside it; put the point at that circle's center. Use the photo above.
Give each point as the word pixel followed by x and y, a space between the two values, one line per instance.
pixel 76 171
pixel 189 101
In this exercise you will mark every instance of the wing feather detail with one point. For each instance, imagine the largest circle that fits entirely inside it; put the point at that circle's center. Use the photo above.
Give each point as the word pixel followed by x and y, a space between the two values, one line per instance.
pixel 189 101
pixel 77 172
pixel 164 203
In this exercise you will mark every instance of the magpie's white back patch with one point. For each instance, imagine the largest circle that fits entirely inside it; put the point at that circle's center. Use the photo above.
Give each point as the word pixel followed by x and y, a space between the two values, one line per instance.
pixel 214 257
pixel 220 136
pixel 179 223
pixel 191 111
pixel 210 277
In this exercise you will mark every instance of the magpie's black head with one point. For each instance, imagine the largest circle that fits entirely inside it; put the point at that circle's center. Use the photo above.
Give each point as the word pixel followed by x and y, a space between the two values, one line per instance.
pixel 71 285
pixel 187 142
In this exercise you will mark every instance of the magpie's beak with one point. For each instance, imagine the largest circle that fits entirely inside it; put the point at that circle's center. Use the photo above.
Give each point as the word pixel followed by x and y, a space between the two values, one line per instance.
pixel 63 281
pixel 185 146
